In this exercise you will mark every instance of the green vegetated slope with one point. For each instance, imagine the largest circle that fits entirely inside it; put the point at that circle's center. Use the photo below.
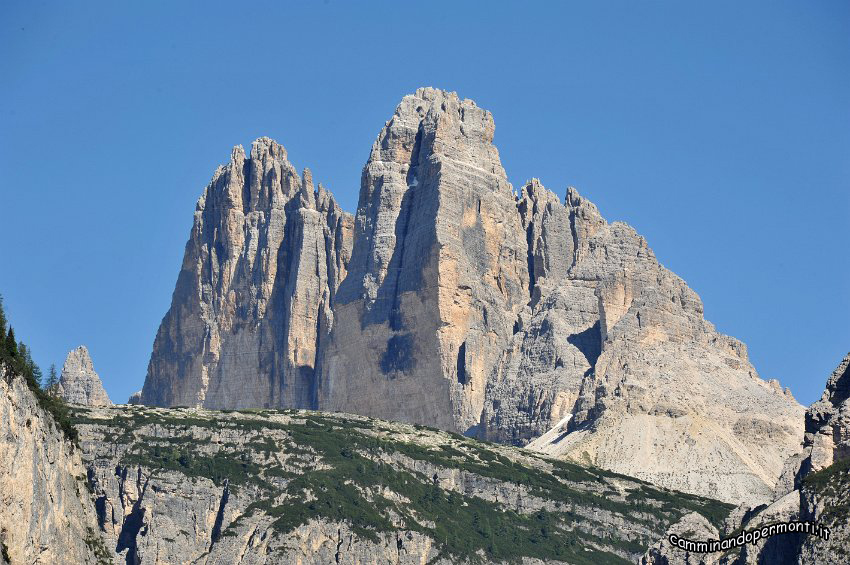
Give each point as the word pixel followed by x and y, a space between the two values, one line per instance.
pixel 476 501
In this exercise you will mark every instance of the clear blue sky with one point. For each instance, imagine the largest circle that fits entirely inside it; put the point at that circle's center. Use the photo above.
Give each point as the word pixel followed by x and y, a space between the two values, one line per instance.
pixel 720 130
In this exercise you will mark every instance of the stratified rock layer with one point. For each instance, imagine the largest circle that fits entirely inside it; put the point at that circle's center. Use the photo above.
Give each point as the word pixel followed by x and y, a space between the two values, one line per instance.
pixel 255 293
pixel 451 301
pixel 79 383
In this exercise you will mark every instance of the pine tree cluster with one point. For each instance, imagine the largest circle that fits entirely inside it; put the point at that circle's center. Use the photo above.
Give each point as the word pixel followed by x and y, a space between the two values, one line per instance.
pixel 17 359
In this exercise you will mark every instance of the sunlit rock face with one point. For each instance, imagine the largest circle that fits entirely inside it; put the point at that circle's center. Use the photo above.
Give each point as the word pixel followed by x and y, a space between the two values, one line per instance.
pixel 46 513
pixel 828 420
pixel 614 364
pixel 452 300
pixel 438 272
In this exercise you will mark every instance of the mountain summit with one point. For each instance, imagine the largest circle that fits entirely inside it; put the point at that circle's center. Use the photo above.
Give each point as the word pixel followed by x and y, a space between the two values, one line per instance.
pixel 453 301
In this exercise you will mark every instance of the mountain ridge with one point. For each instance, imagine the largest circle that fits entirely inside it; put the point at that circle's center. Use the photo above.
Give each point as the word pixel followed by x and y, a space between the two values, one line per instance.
pixel 451 300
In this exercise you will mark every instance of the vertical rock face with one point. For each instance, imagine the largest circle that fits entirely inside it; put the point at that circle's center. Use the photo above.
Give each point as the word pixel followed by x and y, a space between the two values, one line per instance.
pixel 463 306
pixel 45 513
pixel 828 420
pixel 256 290
pixel 438 271
pixel 557 337
pixel 79 383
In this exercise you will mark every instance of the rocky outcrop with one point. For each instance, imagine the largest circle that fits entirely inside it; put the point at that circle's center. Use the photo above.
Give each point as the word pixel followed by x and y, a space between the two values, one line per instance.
pixel 438 271
pixel 194 486
pixel 79 383
pixel 619 347
pixel 692 526
pixel 451 301
pixel 828 421
pixel 46 515
pixel 256 291
pixel 815 487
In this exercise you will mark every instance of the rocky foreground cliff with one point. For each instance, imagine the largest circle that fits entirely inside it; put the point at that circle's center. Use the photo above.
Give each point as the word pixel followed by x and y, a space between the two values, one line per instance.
pixel 195 486
pixel 453 301
pixel 815 484
pixel 46 514
pixel 153 485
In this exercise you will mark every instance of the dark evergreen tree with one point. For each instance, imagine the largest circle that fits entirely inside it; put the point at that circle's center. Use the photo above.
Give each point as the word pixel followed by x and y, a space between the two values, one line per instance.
pixel 37 374
pixel 2 318
pixel 26 366
pixel 52 379
pixel 11 344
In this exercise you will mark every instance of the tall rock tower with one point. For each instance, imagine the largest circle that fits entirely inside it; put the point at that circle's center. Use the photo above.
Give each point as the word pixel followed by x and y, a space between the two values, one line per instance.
pixel 260 271
pixel 438 272
pixel 79 383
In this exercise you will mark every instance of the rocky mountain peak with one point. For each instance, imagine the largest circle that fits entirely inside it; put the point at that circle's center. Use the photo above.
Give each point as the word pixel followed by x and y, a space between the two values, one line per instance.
pixel 451 300
pixel 437 274
pixel 79 383
pixel 260 272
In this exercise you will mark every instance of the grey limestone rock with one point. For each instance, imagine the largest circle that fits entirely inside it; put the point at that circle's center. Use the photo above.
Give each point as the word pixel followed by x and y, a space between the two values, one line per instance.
pixel 79 383
pixel 438 272
pixel 195 486
pixel 691 526
pixel 449 300
pixel 814 487
pixel 618 356
pixel 828 420
pixel 46 515
pixel 266 254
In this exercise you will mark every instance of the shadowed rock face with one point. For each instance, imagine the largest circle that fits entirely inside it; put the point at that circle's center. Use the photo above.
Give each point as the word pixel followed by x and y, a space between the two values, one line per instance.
pixel 451 301
pixel 79 383
pixel 255 293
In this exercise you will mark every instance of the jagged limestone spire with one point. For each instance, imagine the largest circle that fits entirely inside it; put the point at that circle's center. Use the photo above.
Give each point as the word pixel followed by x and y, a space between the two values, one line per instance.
pixel 79 383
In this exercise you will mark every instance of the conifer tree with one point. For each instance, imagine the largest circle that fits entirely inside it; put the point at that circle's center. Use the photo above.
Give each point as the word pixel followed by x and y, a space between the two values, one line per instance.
pixel 4 356
pixel 37 374
pixel 26 365
pixel 11 344
pixel 52 379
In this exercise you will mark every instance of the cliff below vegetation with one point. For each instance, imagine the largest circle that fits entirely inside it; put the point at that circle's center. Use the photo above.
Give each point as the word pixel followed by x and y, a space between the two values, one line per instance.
pixel 186 485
